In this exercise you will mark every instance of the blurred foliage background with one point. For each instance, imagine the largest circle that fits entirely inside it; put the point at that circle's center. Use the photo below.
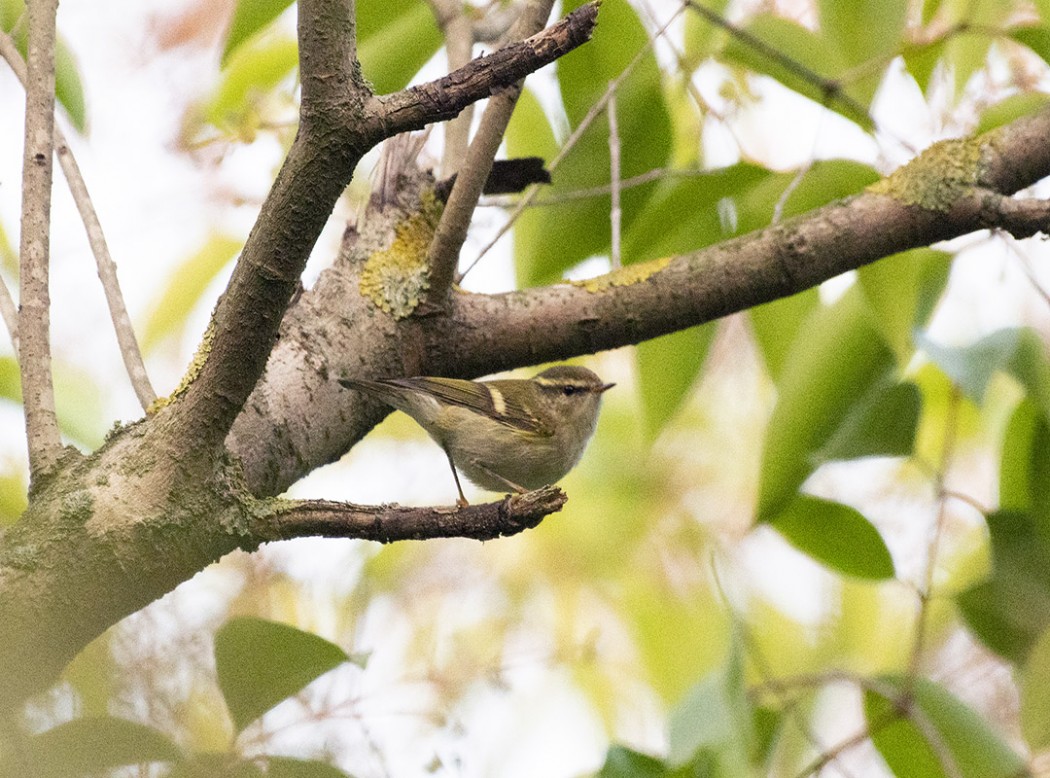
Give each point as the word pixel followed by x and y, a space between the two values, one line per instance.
pixel 809 539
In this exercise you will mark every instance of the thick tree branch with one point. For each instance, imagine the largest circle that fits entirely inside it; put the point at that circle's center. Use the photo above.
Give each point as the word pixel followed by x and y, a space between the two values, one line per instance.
pixel 389 523
pixel 34 328
pixel 339 123
pixel 279 440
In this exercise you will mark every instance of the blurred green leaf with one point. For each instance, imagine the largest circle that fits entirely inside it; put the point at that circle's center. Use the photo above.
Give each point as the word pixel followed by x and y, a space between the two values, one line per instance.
pixel 287 767
pixel 249 17
pixel 775 326
pixel 883 423
pixel 14 489
pixel 395 38
pixel 252 71
pixel 1023 469
pixel 8 255
pixel 221 765
pixel 1013 107
pixel 667 368
pixel 623 762
pixel 714 721
pixel 699 37
pixel 713 201
pixel 832 365
pixel 260 663
pixel 87 745
pixel 976 751
pixel 560 237
pixel 1035 699
pixel 1017 351
pixel 10 380
pixel 1010 610
pixel 185 287
pixel 862 30
pixel 821 59
pixel 1036 37
pixel 69 89
pixel 835 535
pixel 902 291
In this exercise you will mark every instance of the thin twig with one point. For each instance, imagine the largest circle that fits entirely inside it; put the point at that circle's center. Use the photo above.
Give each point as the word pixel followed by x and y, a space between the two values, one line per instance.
pixel 615 213
pixel 42 435
pixel 9 313
pixel 926 592
pixel 574 138
pixel 830 88
pixel 107 269
pixel 458 31
pixel 286 519
pixel 444 249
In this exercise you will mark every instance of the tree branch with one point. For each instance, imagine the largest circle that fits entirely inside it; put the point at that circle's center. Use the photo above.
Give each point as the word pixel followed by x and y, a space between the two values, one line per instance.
pixel 44 441
pixel 278 439
pixel 459 45
pixel 107 268
pixel 389 523
pixel 444 98
pixel 339 123
pixel 443 252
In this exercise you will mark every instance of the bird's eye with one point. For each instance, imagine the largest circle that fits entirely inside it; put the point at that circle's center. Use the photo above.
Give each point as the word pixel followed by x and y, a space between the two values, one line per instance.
pixel 569 390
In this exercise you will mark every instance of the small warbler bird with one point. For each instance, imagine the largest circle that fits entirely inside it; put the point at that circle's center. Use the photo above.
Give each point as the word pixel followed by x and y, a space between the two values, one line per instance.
pixel 504 434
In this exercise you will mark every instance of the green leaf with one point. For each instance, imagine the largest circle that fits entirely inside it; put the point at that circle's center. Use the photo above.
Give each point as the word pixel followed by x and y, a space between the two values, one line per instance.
pixel 253 70
pixel 623 762
pixel 260 663
pixel 1035 701
pixel 975 750
pixel 1013 107
pixel 69 89
pixel 1019 352
pixel 883 423
pixel 835 535
pixel 863 31
pixel 395 38
pixel 87 745
pixel 185 287
pixel 1036 37
pixel 833 363
pixel 249 17
pixel 814 53
pixel 902 291
pixel 287 767
pixel 1010 610
pixel 712 200
pixel 714 721
pixel 558 238
pixel 667 368
pixel 775 326
pixel 1023 478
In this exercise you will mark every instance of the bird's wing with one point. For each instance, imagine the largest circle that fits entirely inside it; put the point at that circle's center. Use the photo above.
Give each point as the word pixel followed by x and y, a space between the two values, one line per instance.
pixel 483 397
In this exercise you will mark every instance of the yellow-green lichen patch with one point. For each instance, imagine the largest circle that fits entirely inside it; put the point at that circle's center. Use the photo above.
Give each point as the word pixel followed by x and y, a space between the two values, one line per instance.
pixel 191 372
pixel 624 276
pixel 395 279
pixel 938 177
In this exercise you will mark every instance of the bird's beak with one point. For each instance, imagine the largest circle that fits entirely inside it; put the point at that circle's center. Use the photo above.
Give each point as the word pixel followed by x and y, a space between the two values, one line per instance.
pixel 606 388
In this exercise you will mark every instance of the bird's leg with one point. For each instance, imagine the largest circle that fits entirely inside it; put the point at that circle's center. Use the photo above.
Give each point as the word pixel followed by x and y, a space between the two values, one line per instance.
pixel 496 476
pixel 462 501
